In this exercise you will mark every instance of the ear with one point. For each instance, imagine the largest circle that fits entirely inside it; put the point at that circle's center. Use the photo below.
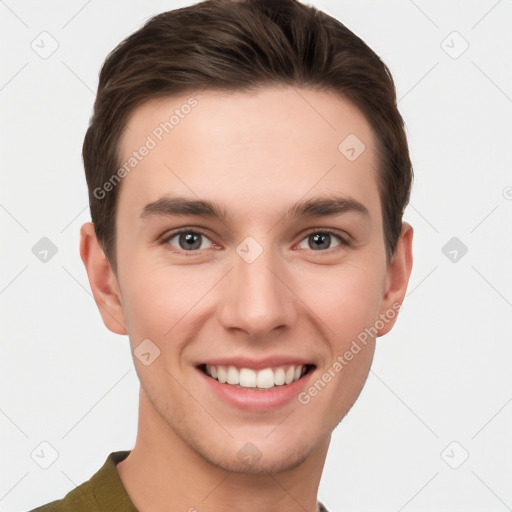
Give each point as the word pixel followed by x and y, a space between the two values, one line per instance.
pixel 397 279
pixel 102 279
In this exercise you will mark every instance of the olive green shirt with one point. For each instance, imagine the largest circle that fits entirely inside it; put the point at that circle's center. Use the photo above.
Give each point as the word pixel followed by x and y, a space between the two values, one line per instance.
pixel 103 492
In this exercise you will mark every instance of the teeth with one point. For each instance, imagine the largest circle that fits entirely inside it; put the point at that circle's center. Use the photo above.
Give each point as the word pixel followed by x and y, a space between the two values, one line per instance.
pixel 221 374
pixel 289 375
pixel 247 378
pixel 233 376
pixel 262 379
pixel 265 378
pixel 279 377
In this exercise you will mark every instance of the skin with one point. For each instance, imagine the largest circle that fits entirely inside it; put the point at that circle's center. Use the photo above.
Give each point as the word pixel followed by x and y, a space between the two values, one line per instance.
pixel 255 154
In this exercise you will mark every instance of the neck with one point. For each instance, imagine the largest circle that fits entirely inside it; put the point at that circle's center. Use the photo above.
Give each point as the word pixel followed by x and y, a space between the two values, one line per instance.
pixel 164 473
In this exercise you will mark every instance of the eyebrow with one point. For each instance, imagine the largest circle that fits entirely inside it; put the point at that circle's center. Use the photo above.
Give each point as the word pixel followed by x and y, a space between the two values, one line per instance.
pixel 315 207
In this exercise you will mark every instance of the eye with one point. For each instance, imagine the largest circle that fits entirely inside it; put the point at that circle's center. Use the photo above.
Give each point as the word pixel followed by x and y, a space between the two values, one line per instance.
pixel 318 240
pixel 188 240
pixel 192 241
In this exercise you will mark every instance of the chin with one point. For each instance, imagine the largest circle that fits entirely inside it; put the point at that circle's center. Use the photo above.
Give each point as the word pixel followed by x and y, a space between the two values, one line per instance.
pixel 279 461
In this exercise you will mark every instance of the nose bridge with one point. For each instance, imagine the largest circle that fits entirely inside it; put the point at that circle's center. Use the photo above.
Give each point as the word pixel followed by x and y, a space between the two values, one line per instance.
pixel 256 299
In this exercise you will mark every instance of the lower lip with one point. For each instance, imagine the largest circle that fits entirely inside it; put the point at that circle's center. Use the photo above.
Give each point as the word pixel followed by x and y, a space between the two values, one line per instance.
pixel 250 399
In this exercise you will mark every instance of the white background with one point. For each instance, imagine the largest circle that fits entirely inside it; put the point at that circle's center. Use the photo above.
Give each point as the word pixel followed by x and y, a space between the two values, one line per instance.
pixel 442 375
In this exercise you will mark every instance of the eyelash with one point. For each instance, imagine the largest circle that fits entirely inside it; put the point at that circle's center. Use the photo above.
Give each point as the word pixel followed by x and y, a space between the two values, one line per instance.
pixel 344 241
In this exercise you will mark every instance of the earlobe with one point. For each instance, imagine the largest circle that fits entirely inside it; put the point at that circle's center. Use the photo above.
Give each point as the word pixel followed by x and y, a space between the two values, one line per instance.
pixel 397 279
pixel 102 280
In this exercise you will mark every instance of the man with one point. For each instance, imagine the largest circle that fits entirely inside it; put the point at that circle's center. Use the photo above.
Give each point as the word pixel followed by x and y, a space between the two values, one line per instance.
pixel 247 170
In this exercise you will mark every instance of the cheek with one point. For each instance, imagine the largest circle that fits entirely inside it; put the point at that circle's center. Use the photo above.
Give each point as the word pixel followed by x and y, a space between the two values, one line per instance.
pixel 161 301
pixel 158 301
pixel 347 305
pixel 152 309
pixel 347 299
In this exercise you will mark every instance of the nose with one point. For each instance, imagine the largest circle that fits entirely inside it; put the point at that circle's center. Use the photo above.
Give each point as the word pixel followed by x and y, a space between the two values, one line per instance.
pixel 258 297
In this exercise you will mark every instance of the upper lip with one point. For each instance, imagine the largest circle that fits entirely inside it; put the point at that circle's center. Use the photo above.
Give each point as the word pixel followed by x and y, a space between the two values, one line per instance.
pixel 257 364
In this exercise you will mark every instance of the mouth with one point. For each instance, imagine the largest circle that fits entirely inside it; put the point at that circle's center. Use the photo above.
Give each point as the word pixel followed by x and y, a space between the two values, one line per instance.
pixel 264 379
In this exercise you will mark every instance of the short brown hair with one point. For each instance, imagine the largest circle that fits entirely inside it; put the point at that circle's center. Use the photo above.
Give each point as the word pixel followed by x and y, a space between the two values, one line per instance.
pixel 240 45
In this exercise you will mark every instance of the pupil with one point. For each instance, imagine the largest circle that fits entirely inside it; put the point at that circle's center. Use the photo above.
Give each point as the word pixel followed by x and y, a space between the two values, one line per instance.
pixel 191 240
pixel 321 238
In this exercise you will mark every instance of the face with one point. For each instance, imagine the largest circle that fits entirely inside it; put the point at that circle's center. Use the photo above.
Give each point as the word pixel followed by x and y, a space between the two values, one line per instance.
pixel 268 282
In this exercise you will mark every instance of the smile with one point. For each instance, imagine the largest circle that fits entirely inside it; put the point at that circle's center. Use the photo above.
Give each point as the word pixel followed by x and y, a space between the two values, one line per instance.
pixel 264 379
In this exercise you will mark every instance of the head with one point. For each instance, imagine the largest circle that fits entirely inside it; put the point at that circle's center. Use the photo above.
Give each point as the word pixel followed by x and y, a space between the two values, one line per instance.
pixel 271 116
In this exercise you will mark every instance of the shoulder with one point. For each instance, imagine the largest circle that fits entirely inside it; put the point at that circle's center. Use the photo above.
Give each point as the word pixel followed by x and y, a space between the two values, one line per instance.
pixel 80 499
pixel 103 492
pixel 54 506
pixel 67 504
pixel 321 507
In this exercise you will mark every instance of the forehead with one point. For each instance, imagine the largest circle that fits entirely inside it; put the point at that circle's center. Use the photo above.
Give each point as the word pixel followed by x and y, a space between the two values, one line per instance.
pixel 247 148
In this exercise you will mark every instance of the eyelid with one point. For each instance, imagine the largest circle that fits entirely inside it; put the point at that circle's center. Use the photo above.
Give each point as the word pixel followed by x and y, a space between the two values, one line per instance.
pixel 344 239
pixel 179 231
pixel 168 236
pixel 342 235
